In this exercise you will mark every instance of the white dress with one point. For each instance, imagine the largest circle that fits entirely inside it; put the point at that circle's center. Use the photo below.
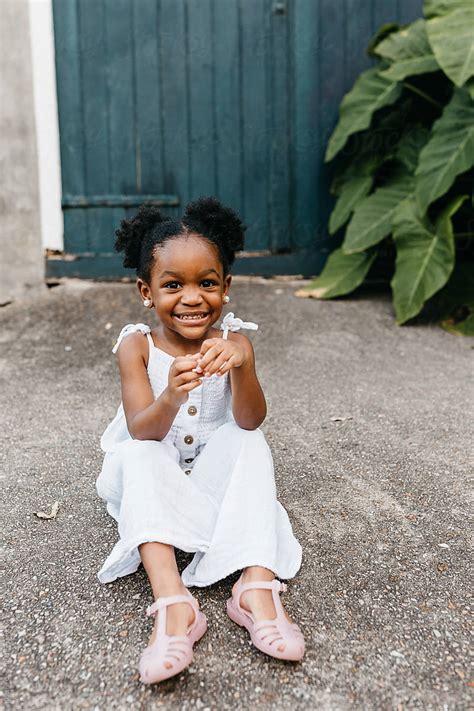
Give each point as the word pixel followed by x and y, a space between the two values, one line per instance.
pixel 207 488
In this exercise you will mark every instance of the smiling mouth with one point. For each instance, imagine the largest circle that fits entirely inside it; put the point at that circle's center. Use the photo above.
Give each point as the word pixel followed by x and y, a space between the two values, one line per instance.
pixel 192 317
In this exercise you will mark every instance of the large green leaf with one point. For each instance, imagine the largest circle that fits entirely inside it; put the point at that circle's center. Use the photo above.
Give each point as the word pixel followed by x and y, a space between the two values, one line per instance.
pixel 351 193
pixel 425 256
pixel 352 170
pixel 366 151
pixel 449 151
pixel 361 163
pixel 459 291
pixel 369 93
pixel 470 87
pixel 410 145
pixel 372 218
pixel 460 328
pixel 432 8
pixel 455 301
pixel 383 32
pixel 451 35
pixel 358 176
pixel 342 274
pixel 409 52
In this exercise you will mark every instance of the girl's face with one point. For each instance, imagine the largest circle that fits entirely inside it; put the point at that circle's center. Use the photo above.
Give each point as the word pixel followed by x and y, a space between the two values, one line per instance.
pixel 187 286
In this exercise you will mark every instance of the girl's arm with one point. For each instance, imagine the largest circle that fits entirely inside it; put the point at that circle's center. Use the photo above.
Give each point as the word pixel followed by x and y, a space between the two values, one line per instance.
pixel 146 417
pixel 248 401
pixel 236 355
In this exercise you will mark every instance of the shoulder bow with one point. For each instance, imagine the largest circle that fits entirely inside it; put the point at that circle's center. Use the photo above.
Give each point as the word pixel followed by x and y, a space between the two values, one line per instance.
pixel 232 323
pixel 128 329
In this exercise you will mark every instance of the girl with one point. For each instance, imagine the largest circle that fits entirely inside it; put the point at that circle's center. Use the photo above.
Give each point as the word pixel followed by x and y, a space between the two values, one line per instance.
pixel 186 464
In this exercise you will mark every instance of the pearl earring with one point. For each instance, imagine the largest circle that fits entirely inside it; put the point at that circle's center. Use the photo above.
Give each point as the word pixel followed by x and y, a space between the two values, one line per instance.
pixel 147 303
pixel 226 299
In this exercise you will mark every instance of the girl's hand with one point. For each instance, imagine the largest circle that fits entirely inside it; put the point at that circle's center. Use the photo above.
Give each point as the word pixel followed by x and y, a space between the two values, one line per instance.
pixel 182 379
pixel 219 356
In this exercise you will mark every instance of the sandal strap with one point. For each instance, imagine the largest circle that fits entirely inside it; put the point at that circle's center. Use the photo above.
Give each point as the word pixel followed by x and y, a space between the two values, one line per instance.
pixel 262 584
pixel 261 624
pixel 163 602
pixel 274 585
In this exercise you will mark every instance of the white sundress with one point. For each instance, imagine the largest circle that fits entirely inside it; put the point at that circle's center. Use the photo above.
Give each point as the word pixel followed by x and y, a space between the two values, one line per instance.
pixel 207 488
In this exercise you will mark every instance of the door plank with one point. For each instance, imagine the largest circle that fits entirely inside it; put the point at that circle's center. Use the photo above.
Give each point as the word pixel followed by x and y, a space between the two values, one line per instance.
pixel 120 79
pixel 202 101
pixel 280 124
pixel 71 129
pixel 256 106
pixel 93 52
pixel 175 103
pixel 228 118
pixel 149 150
pixel 308 149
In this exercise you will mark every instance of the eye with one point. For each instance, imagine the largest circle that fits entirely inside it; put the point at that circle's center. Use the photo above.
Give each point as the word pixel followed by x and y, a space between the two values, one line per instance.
pixel 172 285
pixel 208 282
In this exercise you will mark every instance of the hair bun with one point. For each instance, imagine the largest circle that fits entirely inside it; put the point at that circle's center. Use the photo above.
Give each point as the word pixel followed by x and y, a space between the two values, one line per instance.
pixel 212 219
pixel 131 233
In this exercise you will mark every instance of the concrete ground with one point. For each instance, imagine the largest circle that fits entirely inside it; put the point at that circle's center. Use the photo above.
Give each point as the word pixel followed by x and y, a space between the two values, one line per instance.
pixel 378 499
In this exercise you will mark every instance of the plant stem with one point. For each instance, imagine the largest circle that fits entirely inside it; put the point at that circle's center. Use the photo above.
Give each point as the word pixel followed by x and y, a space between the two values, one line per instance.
pixel 421 93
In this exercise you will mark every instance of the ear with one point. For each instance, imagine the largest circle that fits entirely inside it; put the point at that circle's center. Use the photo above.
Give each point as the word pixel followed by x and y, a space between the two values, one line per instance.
pixel 144 289
pixel 227 283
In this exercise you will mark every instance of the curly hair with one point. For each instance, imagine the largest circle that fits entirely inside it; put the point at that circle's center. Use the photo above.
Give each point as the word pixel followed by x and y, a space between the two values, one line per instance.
pixel 138 236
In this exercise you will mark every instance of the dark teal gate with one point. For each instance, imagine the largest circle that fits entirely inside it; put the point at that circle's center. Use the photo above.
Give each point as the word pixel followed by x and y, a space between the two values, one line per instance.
pixel 166 100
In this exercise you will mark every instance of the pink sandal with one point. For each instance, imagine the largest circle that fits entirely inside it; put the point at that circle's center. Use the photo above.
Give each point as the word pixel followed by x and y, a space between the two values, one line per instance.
pixel 176 649
pixel 268 635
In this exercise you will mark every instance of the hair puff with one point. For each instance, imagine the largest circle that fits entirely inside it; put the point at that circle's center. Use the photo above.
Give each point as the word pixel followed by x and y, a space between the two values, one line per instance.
pixel 133 231
pixel 210 218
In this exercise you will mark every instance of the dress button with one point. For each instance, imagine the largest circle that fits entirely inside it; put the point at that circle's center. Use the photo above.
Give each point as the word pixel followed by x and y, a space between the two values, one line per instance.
pixel 188 439
pixel 188 461
pixel 187 471
pixel 192 410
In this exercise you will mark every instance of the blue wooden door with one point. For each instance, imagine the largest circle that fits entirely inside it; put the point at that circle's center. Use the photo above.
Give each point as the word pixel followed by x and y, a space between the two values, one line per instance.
pixel 166 100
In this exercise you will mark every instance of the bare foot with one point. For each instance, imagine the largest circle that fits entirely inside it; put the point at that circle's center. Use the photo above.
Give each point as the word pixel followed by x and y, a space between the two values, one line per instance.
pixel 259 602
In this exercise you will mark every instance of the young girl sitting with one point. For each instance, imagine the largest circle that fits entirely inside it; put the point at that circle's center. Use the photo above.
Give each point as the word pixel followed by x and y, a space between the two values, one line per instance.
pixel 186 465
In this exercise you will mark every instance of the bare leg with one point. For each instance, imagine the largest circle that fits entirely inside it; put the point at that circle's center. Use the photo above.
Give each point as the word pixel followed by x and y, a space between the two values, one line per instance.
pixel 159 561
pixel 259 602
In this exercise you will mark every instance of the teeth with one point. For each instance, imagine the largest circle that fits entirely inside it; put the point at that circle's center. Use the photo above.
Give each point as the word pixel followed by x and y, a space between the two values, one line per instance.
pixel 197 317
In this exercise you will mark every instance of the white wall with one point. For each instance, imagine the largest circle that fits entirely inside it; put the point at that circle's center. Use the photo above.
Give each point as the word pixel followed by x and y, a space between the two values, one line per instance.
pixel 46 120
pixel 21 254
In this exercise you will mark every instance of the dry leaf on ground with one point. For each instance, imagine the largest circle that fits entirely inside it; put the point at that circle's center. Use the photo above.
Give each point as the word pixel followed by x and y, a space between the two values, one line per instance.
pixel 53 513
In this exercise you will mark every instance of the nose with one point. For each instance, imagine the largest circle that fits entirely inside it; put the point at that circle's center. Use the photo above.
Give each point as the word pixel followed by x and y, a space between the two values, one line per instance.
pixel 191 297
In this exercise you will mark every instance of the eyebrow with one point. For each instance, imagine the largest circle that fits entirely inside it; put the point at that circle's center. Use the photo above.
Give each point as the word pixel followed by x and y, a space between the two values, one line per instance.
pixel 206 271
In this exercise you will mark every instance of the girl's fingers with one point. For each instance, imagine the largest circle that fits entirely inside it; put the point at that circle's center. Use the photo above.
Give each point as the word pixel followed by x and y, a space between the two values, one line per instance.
pixel 190 386
pixel 184 364
pixel 186 377
pixel 211 355
pixel 216 364
pixel 208 344
pixel 228 365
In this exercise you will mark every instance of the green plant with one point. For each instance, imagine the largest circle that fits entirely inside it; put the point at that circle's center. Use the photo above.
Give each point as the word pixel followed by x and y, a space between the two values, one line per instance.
pixel 403 155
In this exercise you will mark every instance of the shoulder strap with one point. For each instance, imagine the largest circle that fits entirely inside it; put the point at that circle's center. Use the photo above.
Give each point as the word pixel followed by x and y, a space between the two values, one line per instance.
pixel 128 329
pixel 151 346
